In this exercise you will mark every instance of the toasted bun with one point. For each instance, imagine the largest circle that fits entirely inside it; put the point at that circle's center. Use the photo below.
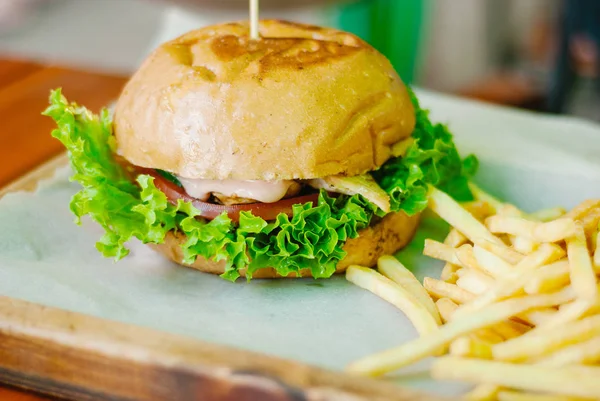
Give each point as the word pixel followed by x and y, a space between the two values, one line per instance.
pixel 302 102
pixel 386 237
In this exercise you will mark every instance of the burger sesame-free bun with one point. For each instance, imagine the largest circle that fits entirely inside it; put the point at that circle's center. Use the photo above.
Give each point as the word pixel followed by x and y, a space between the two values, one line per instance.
pixel 385 237
pixel 301 102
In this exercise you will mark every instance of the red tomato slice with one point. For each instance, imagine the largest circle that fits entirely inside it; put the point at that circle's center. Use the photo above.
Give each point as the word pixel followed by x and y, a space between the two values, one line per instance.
pixel 267 211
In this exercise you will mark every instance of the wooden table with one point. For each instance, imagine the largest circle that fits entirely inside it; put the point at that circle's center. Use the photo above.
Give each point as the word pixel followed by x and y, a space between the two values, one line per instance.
pixel 25 140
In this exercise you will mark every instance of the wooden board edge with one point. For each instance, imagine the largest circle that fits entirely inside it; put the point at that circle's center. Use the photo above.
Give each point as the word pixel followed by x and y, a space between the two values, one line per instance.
pixel 81 357
pixel 76 355
pixel 30 181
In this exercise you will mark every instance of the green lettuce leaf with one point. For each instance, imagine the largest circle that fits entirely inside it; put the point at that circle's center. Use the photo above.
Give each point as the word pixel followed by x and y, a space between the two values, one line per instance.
pixel 312 238
pixel 431 159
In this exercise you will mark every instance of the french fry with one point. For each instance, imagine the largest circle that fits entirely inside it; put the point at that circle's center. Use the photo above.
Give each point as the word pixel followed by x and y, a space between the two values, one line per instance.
pixel 583 276
pixel 511 225
pixel 492 264
pixel 546 253
pixel 538 316
pixel 571 312
pixel 506 395
pixel 509 255
pixel 441 289
pixel 552 231
pixel 449 273
pixel 475 282
pixel 582 209
pixel 479 209
pixel 586 352
pixel 522 244
pixel 451 211
pixel 510 210
pixel 465 255
pixel 590 222
pixel 549 214
pixel 597 253
pixel 509 329
pixel 481 195
pixel 519 299
pixel 540 342
pixel 549 278
pixel 391 267
pixel 471 345
pixel 483 392
pixel 492 335
pixel 398 296
pixel 571 381
pixel 437 250
pixel 446 308
pixel 455 238
pixel 412 351
pixel 521 275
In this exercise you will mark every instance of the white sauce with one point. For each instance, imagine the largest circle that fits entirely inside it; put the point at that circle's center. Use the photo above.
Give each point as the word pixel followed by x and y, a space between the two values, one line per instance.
pixel 262 191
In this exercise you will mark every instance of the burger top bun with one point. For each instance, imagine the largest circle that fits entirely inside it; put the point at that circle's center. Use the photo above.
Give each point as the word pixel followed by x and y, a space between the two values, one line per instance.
pixel 301 102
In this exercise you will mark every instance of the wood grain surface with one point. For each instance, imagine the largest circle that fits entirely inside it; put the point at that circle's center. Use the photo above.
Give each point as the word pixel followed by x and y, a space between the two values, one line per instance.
pixel 24 89
pixel 86 358
pixel 79 357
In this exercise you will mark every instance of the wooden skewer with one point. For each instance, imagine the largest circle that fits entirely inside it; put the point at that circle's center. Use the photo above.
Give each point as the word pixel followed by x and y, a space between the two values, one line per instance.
pixel 254 35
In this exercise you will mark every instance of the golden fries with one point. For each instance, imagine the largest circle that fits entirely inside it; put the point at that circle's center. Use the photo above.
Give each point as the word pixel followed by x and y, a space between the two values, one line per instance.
pixel 492 264
pixel 552 231
pixel 437 250
pixel 597 253
pixel 522 244
pixel 479 209
pixel 471 345
pixel 508 254
pixel 481 195
pixel 540 342
pixel 427 345
pixel 549 278
pixel 449 210
pixel 475 282
pixel 583 277
pixel 583 209
pixel 506 395
pixel 571 381
pixel 446 307
pixel 440 289
pixel 455 238
pixel 395 294
pixel 552 213
pixel 450 273
pixel 586 352
pixel 391 267
pixel 519 299
pixel 465 255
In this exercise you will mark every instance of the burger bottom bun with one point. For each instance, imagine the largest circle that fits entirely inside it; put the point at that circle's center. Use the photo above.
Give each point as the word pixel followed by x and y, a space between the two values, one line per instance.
pixel 386 237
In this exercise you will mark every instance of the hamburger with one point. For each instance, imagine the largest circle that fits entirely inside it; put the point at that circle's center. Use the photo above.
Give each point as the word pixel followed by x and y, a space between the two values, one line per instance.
pixel 297 154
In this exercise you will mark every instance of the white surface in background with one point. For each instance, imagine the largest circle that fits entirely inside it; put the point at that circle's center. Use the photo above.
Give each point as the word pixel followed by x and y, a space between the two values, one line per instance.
pixel 534 161
pixel 115 35
pixel 107 35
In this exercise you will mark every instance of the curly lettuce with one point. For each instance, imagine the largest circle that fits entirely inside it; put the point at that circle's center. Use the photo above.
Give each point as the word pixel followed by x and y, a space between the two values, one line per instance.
pixel 312 238
pixel 431 159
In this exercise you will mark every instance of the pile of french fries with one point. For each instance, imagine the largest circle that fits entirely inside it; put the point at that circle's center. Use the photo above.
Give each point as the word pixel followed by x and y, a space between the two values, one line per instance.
pixel 516 310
